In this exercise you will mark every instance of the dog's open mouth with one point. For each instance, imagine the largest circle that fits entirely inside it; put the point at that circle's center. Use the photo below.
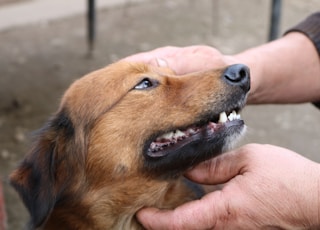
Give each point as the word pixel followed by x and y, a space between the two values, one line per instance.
pixel 179 138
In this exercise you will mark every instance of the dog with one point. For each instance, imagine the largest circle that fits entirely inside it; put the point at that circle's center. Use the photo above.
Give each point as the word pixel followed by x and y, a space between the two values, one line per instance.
pixel 121 140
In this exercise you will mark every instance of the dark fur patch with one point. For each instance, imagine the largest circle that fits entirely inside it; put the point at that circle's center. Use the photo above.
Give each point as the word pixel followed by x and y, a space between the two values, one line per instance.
pixel 63 123
pixel 36 177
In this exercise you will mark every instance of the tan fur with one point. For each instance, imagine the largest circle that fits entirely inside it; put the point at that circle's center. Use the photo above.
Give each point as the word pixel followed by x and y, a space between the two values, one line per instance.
pixel 99 173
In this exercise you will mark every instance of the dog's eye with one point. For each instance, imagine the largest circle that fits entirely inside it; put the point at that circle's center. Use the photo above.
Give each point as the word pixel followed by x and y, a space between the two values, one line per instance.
pixel 145 84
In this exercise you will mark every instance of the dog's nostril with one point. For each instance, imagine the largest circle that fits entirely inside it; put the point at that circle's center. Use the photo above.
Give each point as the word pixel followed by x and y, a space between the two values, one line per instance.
pixel 242 74
pixel 238 75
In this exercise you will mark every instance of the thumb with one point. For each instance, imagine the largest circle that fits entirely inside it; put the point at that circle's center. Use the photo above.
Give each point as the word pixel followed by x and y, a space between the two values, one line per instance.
pixel 198 214
pixel 211 209
pixel 220 169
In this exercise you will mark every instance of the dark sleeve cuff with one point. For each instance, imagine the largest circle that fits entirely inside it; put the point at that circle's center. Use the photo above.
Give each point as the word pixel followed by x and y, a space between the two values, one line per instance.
pixel 311 28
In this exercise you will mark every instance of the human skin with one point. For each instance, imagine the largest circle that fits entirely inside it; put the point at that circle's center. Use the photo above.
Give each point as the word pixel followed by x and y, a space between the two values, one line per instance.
pixel 265 187
pixel 286 70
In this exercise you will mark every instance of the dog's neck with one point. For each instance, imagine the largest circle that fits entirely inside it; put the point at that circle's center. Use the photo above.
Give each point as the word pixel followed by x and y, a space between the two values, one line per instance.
pixel 116 209
pixel 127 222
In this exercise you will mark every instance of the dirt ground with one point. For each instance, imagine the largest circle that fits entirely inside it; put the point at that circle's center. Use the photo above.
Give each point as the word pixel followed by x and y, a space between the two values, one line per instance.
pixel 39 61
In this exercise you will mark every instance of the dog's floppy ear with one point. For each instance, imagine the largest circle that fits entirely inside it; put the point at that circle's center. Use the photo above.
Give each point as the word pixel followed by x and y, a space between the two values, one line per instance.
pixel 43 174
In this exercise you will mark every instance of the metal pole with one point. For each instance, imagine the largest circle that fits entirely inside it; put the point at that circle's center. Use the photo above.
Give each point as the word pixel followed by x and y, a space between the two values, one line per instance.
pixel 275 19
pixel 91 21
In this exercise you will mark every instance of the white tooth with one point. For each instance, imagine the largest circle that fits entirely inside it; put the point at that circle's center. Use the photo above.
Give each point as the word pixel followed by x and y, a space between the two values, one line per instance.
pixel 223 117
pixel 166 136
pixel 153 145
pixel 231 117
pixel 178 134
pixel 238 117
pixel 191 131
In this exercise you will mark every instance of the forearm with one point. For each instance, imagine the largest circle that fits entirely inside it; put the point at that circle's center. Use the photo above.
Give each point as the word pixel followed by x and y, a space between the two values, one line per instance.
pixel 314 202
pixel 283 71
pixel 277 69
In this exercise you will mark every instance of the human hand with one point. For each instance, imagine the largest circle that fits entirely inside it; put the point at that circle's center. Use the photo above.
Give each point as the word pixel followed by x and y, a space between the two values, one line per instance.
pixel 267 187
pixel 184 60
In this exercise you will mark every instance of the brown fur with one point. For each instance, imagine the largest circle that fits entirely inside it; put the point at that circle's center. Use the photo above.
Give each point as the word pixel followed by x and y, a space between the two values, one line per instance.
pixel 86 169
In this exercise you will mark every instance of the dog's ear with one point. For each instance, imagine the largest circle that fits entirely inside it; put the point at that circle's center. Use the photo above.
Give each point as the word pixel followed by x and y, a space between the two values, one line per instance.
pixel 43 174
pixel 34 181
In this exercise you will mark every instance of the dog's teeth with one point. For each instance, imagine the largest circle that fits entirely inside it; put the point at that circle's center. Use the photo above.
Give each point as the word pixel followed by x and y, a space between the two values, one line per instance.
pixel 178 134
pixel 166 136
pixel 192 131
pixel 223 117
pixel 232 116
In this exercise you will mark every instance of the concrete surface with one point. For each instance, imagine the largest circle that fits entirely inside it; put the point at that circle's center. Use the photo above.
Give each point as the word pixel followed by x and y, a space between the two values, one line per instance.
pixel 40 57
pixel 34 11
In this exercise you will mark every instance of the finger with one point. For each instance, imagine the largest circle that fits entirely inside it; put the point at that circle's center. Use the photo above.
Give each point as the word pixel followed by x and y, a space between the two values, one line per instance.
pixel 151 56
pixel 162 62
pixel 220 169
pixel 148 58
pixel 203 211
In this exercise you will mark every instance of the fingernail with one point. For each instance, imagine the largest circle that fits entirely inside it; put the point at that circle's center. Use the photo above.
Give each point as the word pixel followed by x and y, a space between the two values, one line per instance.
pixel 161 62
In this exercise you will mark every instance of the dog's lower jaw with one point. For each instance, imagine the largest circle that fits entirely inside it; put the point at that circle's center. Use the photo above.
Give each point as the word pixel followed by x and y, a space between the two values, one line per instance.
pixel 232 140
pixel 178 160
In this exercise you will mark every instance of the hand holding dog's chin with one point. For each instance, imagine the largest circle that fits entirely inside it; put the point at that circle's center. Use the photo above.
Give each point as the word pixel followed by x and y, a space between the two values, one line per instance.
pixel 266 187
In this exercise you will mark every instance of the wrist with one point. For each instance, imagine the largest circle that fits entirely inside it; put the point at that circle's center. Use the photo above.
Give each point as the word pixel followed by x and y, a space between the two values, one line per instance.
pixel 277 68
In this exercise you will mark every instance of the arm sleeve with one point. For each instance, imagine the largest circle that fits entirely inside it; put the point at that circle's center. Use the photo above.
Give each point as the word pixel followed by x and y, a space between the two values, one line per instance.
pixel 311 28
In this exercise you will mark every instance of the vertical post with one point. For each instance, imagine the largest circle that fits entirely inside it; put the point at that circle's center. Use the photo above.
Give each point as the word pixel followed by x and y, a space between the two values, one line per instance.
pixel 275 19
pixel 91 21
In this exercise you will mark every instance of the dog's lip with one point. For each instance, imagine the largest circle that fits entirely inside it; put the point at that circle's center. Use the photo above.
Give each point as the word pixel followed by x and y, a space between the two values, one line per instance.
pixel 163 144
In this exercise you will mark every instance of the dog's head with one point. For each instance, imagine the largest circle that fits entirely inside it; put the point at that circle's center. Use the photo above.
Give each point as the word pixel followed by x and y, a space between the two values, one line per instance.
pixel 127 122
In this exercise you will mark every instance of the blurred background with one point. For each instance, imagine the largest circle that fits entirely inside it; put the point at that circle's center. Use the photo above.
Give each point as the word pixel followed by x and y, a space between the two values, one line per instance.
pixel 43 48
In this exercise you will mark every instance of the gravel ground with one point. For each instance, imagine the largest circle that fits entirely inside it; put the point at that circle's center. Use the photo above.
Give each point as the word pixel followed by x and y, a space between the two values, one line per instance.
pixel 39 61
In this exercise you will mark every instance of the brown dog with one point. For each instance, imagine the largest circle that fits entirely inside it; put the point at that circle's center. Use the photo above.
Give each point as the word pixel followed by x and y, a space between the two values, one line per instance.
pixel 121 140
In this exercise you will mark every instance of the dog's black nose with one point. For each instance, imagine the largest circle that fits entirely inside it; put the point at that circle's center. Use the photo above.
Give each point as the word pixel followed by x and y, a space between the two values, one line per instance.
pixel 238 75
